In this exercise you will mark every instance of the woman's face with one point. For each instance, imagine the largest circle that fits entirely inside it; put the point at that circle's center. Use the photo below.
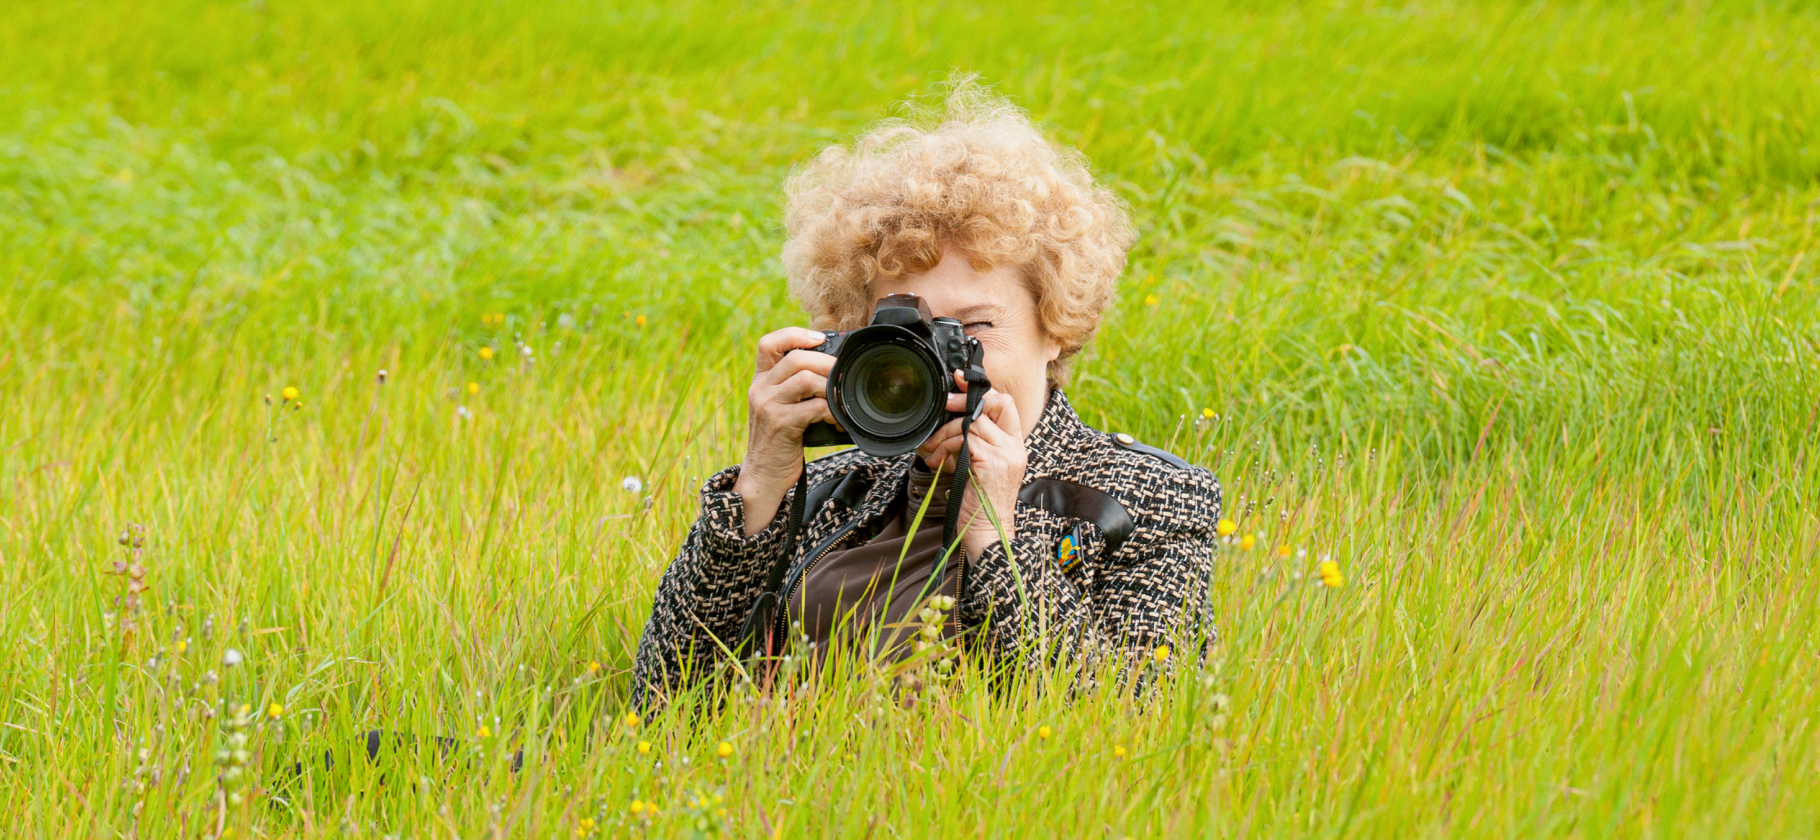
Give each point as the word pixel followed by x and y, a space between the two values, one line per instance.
pixel 996 308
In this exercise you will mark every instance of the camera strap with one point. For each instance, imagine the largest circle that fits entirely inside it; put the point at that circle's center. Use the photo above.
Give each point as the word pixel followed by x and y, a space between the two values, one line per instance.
pixel 977 386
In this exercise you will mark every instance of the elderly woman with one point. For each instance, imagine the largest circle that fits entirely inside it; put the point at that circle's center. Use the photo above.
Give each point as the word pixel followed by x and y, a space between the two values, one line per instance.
pixel 1073 540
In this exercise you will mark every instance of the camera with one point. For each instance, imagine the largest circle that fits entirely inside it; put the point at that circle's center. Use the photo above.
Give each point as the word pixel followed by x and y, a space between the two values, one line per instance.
pixel 891 380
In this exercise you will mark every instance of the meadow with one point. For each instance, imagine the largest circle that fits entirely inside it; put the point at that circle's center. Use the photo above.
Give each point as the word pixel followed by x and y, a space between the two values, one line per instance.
pixel 1508 308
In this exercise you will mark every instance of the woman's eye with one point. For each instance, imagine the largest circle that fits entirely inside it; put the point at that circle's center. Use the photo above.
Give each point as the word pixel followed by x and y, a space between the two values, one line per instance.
pixel 975 326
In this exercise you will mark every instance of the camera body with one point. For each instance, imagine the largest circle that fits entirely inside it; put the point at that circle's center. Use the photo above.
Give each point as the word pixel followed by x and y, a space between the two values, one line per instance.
pixel 891 379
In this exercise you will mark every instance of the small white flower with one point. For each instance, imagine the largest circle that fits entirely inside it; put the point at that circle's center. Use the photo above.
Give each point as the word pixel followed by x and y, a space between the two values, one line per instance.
pixel 232 657
pixel 462 412
pixel 631 484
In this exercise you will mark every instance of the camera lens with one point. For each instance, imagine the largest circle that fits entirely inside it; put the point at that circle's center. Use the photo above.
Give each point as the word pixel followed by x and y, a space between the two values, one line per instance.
pixel 890 391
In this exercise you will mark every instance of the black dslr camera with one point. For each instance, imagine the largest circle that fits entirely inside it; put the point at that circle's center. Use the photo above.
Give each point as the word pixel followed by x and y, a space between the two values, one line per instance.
pixel 890 385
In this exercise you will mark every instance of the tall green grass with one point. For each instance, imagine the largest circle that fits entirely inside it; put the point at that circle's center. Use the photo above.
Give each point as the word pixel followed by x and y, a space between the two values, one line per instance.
pixel 1509 308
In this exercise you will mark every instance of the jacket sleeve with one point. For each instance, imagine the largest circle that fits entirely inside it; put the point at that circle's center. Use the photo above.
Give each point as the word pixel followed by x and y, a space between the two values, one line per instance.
pixel 704 596
pixel 1152 592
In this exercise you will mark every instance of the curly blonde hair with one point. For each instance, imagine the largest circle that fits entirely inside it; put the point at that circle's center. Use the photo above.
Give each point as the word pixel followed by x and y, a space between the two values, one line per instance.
pixel 983 180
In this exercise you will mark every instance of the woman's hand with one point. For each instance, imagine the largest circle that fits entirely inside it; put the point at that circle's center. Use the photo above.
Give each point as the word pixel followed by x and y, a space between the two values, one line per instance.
pixel 996 463
pixel 789 391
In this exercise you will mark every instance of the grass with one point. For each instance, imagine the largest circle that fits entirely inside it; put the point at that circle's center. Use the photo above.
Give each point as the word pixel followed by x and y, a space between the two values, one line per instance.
pixel 1510 308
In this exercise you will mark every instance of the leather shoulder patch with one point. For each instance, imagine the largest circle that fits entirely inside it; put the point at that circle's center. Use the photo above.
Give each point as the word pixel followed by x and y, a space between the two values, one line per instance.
pixel 848 489
pixel 1125 441
pixel 1078 501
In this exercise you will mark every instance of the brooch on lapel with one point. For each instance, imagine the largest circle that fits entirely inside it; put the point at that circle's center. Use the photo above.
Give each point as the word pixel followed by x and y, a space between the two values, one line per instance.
pixel 1068 551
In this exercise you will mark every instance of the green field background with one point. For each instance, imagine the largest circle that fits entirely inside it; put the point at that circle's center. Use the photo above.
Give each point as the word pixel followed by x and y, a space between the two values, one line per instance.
pixel 1509 308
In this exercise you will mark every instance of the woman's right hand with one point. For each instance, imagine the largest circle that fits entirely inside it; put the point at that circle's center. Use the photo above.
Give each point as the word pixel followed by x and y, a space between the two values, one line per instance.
pixel 789 391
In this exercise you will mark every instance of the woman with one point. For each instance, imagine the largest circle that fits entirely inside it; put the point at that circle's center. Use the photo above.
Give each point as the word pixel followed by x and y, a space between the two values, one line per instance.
pixel 1110 542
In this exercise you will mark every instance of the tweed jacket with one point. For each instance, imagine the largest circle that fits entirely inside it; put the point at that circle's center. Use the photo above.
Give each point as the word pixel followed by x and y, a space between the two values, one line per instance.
pixel 1067 585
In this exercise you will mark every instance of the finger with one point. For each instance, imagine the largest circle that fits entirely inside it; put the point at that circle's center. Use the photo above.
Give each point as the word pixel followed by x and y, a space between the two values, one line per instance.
pixel 944 432
pixel 798 416
pixel 774 345
pixel 793 363
pixel 1001 408
pixel 799 386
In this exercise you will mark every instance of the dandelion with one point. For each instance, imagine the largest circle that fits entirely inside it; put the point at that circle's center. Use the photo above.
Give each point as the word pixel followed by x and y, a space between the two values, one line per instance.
pixel 483 732
pixel 183 645
pixel 725 749
pixel 631 484
pixel 1226 527
pixel 290 393
pixel 637 807
pixel 1161 654
pixel 486 354
pixel 274 710
pixel 1152 300
pixel 644 747
pixel 1249 542
pixel 631 718
pixel 640 319
pixel 473 388
pixel 1283 551
pixel 1207 414
pixel 1044 732
pixel 1118 751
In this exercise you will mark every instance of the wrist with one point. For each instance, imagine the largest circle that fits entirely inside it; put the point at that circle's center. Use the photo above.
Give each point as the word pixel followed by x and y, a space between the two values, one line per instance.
pixel 761 495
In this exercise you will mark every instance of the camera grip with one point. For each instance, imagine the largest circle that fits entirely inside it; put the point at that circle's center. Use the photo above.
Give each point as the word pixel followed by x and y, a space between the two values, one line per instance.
pixel 826 434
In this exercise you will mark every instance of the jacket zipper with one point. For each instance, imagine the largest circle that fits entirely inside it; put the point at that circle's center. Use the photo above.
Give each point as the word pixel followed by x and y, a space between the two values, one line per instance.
pixel 783 607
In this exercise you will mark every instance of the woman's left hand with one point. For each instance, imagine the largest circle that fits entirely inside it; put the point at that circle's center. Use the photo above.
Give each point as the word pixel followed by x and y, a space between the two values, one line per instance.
pixel 996 459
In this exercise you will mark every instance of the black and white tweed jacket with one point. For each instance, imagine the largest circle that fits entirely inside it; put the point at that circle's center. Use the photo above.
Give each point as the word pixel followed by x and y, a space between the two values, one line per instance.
pixel 1111 555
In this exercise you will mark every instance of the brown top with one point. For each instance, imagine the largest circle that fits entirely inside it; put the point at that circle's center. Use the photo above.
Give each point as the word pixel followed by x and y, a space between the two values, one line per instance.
pixel 850 591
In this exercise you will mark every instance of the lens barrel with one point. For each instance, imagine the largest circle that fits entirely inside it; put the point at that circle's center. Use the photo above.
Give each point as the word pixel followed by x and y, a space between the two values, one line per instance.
pixel 888 390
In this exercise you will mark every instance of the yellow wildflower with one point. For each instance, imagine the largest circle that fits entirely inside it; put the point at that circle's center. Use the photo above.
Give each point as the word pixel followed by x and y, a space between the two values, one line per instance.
pixel 274 710
pixel 725 749
pixel 631 718
pixel 594 668
pixel 644 747
pixel 246 709
pixel 641 320
pixel 1226 527
pixel 1248 542
pixel 473 387
pixel 183 645
pixel 1330 574
pixel 483 732
pixel 291 394
pixel 638 807
pixel 1207 413
pixel 486 353
pixel 1283 551
pixel 1044 732
pixel 1152 300
pixel 1161 654
pixel 1119 751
